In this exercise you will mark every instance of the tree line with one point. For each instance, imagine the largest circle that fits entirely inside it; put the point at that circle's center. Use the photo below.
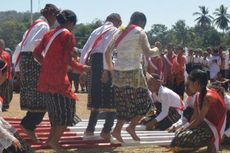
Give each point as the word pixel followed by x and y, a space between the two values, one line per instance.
pixel 209 30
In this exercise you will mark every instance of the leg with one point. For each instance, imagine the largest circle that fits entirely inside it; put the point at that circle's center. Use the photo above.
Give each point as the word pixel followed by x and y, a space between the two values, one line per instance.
pixel 131 128
pixel 109 120
pixel 61 114
pixel 55 135
pixel 76 82
pixel 117 130
pixel 92 123
pixel 29 123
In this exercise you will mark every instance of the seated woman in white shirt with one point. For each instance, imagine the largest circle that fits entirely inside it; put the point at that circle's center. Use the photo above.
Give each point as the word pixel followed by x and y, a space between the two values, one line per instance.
pixel 10 142
pixel 168 105
pixel 188 111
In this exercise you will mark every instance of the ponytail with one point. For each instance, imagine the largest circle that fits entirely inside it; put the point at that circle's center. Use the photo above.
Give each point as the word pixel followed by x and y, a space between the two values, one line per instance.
pixel 203 91
pixel 201 78
pixel 66 16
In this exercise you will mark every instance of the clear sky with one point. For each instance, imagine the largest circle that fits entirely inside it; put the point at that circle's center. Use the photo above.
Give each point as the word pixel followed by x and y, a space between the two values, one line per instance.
pixel 165 12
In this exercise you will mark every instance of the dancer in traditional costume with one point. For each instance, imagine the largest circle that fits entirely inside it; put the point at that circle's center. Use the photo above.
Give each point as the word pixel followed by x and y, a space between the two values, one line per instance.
pixel 100 95
pixel 54 54
pixel 31 100
pixel 188 110
pixel 168 105
pixel 208 121
pixel 131 91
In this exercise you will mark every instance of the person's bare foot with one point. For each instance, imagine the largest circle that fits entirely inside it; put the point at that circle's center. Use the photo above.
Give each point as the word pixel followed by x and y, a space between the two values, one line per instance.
pixel 88 133
pixel 105 136
pixel 117 135
pixel 45 144
pixel 149 126
pixel 55 147
pixel 133 134
pixel 31 134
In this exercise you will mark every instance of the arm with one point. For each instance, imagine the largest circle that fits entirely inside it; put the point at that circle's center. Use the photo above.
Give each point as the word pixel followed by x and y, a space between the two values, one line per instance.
pixel 146 46
pixel 108 55
pixel 77 66
pixel 164 109
pixel 202 114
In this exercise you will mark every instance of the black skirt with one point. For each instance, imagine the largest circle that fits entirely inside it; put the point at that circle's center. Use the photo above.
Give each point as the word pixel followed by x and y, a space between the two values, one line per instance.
pixel 197 137
pixel 132 102
pixel 62 110
pixel 30 98
pixel 6 92
pixel 100 95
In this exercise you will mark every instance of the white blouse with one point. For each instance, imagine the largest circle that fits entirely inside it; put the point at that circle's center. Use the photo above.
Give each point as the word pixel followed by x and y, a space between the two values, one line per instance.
pixel 6 133
pixel 130 50
pixel 167 98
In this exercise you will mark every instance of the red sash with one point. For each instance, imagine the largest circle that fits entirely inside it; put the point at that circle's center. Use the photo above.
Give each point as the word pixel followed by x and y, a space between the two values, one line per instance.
pixel 97 41
pixel 27 34
pixel 122 36
pixel 181 108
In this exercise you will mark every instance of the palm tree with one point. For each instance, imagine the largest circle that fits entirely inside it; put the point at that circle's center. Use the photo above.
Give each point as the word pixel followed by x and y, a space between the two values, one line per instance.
pixel 222 18
pixel 204 19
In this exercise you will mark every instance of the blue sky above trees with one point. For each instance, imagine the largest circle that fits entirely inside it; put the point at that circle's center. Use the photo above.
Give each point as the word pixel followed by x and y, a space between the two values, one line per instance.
pixel 165 12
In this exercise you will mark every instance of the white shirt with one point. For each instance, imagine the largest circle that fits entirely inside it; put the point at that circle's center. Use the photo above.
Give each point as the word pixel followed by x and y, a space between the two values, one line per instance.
pixel 103 44
pixel 197 60
pixel 6 133
pixel 189 59
pixel 35 36
pixel 167 98
pixel 189 102
pixel 214 66
pixel 227 103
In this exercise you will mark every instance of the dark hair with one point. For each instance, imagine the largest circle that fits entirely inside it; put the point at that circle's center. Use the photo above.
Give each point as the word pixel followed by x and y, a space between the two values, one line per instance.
pixel 66 16
pixel 202 78
pixel 50 8
pixel 217 86
pixel 170 46
pixel 209 49
pixel 138 18
pixel 3 67
pixel 113 17
pixel 215 50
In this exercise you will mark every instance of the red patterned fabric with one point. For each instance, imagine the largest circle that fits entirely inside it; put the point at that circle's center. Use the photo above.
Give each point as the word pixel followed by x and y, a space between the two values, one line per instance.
pixel 6 58
pixel 53 75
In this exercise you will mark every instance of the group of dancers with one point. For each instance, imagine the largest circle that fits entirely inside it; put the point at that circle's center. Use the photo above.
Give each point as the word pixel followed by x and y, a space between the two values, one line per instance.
pixel 127 79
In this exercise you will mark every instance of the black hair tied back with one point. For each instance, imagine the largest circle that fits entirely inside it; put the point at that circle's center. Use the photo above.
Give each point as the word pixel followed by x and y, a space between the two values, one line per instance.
pixel 66 16
pixel 202 78
pixel 61 19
